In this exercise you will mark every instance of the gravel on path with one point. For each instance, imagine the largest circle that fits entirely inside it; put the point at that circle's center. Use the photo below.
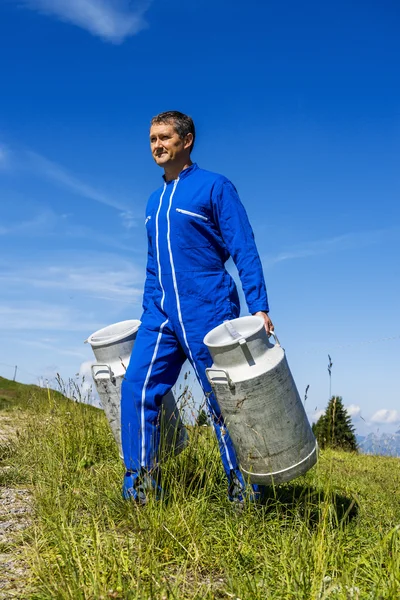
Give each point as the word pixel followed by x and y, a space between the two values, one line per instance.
pixel 15 517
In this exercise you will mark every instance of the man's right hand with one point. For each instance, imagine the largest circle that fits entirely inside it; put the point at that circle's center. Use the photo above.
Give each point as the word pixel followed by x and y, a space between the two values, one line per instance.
pixel 269 326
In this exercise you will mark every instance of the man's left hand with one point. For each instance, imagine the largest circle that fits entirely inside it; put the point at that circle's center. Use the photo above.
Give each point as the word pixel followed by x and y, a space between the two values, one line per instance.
pixel 269 326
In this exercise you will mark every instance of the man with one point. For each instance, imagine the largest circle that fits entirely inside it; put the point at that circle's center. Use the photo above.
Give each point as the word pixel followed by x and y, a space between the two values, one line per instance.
pixel 195 221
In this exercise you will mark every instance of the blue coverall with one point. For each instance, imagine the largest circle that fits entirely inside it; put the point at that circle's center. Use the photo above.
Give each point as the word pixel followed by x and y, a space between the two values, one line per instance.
pixel 194 224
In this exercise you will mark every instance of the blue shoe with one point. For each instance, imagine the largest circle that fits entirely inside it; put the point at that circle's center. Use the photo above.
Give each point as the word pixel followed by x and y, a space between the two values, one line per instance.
pixel 140 486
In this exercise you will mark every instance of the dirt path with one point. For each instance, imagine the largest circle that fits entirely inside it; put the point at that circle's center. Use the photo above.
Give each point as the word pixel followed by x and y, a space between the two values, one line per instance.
pixel 15 510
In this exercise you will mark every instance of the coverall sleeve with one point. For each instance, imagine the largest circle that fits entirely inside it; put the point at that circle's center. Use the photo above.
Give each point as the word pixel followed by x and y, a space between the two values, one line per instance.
pixel 238 237
pixel 150 282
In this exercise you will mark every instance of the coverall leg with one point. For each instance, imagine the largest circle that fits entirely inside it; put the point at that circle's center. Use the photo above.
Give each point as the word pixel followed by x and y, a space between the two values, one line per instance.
pixel 157 358
pixel 158 355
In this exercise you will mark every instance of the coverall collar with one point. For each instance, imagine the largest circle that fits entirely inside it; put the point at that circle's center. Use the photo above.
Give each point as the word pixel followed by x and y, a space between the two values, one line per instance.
pixel 185 173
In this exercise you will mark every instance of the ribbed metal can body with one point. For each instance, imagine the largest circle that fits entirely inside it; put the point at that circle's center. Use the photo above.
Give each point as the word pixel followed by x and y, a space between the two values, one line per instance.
pixel 112 347
pixel 260 403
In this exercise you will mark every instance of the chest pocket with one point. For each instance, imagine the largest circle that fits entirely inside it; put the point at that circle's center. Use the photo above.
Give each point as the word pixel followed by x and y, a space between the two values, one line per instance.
pixel 193 229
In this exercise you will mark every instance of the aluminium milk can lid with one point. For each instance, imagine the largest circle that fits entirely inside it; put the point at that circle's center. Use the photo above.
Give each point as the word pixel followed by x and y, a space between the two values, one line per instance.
pixel 113 333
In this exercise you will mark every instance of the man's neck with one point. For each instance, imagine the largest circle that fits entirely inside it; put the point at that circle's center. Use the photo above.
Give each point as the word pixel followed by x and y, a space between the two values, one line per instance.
pixel 172 172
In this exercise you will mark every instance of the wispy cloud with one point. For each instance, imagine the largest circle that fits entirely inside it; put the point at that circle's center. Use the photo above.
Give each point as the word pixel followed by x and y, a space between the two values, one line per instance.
pixel 39 166
pixel 385 415
pixel 49 223
pixel 42 316
pixel 113 283
pixel 54 348
pixel 101 276
pixel 111 20
pixel 87 233
pixel 347 241
pixel 47 169
pixel 39 224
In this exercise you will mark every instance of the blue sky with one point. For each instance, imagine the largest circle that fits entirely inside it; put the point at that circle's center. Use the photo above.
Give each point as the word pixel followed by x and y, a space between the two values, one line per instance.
pixel 298 103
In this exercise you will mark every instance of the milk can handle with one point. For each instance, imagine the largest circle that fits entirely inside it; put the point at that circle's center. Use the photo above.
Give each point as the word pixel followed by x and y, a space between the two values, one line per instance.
pixel 103 366
pixel 275 337
pixel 213 370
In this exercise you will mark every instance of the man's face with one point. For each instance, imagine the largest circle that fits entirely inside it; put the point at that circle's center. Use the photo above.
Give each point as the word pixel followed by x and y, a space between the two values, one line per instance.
pixel 166 145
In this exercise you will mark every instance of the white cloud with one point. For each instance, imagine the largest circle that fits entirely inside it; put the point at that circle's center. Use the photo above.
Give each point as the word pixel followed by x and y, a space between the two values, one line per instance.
pixel 128 219
pixel 386 415
pixel 316 415
pixel 85 370
pixel 111 20
pixel 86 383
pixel 353 410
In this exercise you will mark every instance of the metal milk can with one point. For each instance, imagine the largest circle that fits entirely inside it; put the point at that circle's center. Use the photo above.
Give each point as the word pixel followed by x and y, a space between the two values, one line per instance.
pixel 112 347
pixel 259 402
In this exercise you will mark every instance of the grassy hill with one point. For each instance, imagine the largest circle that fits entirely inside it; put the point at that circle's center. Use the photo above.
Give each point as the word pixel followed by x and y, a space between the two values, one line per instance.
pixel 331 534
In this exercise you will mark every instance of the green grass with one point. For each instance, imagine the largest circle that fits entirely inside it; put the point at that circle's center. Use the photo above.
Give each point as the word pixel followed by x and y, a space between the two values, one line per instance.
pixel 331 534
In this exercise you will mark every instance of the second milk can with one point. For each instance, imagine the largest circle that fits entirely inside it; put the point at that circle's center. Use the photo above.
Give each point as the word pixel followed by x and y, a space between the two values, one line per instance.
pixel 260 403
pixel 112 347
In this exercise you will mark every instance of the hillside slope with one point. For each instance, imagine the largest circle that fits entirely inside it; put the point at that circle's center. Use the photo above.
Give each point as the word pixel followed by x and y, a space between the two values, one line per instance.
pixel 331 534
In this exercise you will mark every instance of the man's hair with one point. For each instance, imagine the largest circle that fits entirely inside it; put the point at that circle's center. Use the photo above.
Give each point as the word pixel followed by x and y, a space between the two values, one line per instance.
pixel 182 123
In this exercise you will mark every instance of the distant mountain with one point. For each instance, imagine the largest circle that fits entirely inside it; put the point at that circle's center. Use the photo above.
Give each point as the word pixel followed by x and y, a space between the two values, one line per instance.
pixel 386 444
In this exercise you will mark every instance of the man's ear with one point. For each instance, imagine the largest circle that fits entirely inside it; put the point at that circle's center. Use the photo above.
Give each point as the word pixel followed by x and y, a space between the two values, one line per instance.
pixel 188 141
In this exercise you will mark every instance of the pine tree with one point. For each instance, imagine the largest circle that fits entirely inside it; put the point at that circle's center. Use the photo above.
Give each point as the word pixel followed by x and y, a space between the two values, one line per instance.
pixel 334 428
